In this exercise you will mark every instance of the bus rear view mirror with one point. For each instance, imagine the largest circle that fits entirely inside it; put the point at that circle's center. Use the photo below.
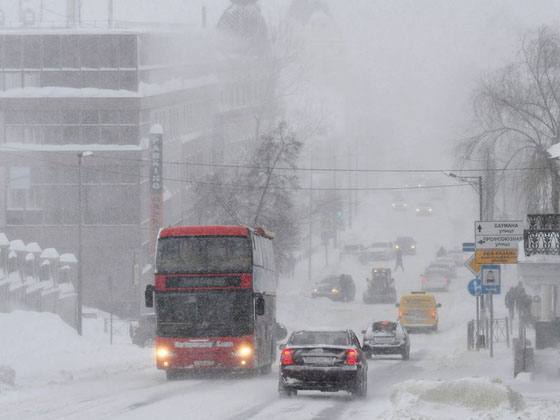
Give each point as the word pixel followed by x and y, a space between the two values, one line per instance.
pixel 259 305
pixel 149 296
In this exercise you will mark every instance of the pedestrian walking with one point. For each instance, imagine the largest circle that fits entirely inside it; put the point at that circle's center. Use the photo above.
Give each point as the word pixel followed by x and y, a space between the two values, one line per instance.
pixel 510 303
pixel 399 259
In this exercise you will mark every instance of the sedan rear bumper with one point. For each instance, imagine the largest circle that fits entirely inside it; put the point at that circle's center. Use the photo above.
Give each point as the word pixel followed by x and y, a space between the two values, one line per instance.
pixel 319 377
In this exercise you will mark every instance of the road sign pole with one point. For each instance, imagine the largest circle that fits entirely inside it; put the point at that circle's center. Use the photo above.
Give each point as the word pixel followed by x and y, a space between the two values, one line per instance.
pixel 477 324
pixel 491 325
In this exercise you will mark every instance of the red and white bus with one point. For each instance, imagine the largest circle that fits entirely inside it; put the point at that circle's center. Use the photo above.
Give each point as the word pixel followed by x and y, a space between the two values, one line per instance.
pixel 214 298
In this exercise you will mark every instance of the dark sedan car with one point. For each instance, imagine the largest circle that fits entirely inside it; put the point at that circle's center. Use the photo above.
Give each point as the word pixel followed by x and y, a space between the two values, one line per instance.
pixel 327 361
pixel 337 287
pixel 386 337
pixel 406 244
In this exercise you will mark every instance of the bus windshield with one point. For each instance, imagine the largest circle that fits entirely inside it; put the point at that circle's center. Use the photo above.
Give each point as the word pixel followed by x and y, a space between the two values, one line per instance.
pixel 204 254
pixel 205 314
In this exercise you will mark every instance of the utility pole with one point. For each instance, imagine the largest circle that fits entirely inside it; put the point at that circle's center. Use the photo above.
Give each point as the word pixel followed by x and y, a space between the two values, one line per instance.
pixel 110 13
pixel 80 292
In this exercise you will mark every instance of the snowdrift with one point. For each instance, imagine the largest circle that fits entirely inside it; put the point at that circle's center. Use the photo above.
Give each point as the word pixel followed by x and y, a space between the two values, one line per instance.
pixel 41 348
pixel 472 394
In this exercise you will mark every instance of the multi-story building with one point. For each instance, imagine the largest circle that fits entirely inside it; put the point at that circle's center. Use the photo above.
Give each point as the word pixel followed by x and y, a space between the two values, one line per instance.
pixel 66 91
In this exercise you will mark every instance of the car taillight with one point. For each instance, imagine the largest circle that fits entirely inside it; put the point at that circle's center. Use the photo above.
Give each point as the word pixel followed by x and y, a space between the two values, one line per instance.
pixel 287 357
pixel 400 313
pixel 351 357
pixel 434 314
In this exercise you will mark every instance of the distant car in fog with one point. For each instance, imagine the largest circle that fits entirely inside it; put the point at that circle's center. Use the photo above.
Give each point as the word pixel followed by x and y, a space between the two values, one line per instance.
pixel 406 244
pixel 424 209
pixel 327 361
pixel 447 264
pixel 351 250
pixel 458 256
pixel 435 279
pixel 399 204
pixel 378 251
pixel 336 287
pixel 386 337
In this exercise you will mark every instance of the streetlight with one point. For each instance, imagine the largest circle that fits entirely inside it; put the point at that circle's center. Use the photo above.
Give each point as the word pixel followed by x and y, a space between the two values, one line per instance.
pixel 81 156
pixel 479 190
pixel 479 299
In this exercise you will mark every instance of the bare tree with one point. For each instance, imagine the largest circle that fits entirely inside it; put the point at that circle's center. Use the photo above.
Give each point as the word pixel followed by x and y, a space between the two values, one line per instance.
pixel 518 111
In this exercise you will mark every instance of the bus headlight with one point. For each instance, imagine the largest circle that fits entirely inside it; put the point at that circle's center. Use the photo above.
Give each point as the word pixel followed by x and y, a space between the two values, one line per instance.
pixel 335 290
pixel 162 353
pixel 244 351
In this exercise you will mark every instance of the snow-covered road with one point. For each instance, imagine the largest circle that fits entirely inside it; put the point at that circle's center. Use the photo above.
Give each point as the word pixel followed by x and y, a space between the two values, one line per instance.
pixel 118 386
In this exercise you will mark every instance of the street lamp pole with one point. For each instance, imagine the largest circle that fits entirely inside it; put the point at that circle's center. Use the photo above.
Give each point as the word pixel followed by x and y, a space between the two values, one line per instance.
pixel 479 299
pixel 81 155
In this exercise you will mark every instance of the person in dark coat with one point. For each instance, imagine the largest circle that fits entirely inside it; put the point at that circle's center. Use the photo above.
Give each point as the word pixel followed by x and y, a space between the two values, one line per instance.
pixel 510 302
pixel 399 259
pixel 442 252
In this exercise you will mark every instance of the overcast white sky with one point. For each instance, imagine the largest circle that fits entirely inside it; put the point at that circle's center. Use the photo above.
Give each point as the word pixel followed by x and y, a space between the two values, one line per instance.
pixel 421 57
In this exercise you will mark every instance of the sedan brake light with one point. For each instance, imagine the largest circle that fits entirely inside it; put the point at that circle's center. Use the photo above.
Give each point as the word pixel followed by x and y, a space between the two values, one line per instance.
pixel 287 357
pixel 351 357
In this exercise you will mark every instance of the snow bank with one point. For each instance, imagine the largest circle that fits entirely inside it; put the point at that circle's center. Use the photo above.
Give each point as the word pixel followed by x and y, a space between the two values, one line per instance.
pixel 470 393
pixel 42 349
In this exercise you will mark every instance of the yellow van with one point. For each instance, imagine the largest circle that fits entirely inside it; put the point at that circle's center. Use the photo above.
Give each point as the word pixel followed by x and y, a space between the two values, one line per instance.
pixel 418 310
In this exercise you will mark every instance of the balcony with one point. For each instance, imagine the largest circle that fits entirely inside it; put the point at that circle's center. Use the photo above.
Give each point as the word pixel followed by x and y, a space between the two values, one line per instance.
pixel 543 235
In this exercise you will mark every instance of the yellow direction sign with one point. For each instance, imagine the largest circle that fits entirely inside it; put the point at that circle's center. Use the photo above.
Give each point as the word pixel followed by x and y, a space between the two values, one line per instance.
pixel 472 265
pixel 496 256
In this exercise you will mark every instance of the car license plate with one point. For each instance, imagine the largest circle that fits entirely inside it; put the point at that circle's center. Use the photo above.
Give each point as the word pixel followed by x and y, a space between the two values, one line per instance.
pixel 318 360
pixel 203 363
pixel 384 340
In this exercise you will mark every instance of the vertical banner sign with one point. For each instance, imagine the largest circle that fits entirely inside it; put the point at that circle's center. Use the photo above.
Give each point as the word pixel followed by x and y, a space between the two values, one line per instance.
pixel 156 184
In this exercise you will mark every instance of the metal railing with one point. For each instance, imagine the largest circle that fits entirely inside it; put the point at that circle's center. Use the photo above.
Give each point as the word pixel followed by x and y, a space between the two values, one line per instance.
pixel 541 242
pixel 544 222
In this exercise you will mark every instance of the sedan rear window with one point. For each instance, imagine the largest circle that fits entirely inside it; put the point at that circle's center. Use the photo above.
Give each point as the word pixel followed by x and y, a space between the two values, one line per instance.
pixel 384 326
pixel 310 338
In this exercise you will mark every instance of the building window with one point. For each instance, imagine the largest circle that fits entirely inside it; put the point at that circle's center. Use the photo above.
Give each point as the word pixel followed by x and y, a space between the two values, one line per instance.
pixel 70 52
pixel 12 80
pixel 32 79
pixel 12 52
pixel 89 53
pixel 127 51
pixel 19 188
pixel 32 52
pixel 51 51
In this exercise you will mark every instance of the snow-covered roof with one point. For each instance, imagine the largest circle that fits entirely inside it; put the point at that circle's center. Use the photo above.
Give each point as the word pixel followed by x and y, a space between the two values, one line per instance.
pixel 34 247
pixel 12 254
pixel 17 245
pixel 30 257
pixel 554 151
pixel 68 259
pixel 50 253
pixel 4 242
pixel 14 147
pixel 65 92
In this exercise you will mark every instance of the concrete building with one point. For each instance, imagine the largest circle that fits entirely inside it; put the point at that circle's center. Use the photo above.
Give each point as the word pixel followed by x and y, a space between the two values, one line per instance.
pixel 65 91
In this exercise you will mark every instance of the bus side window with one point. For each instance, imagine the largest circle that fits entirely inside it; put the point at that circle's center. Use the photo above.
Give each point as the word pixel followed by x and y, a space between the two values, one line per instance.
pixel 257 251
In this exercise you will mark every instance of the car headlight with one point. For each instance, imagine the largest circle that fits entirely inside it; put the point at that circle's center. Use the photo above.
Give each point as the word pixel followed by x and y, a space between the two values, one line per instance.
pixel 413 246
pixel 335 290
pixel 430 210
pixel 162 352
pixel 245 350
pixel 418 210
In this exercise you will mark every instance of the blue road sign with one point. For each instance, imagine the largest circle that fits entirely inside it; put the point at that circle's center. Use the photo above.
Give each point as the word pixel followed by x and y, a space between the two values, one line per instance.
pixel 468 246
pixel 491 279
pixel 475 287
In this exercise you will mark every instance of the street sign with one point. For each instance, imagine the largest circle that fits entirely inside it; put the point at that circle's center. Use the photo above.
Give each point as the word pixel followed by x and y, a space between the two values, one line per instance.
pixel 499 228
pixel 498 241
pixel 475 287
pixel 468 246
pixel 491 279
pixel 496 256
pixel 472 265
